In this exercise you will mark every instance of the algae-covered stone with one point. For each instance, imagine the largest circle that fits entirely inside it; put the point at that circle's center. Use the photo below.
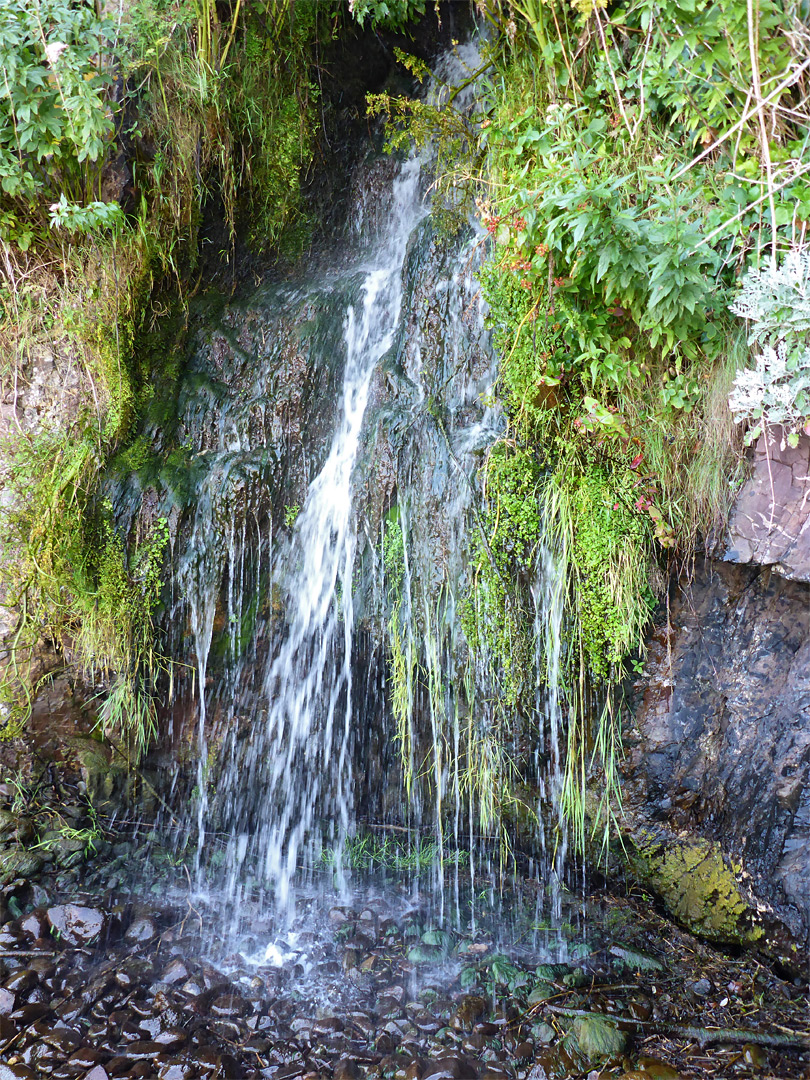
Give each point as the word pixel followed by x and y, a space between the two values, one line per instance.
pixel 16 862
pixel 107 778
pixel 598 1040
pixel 699 889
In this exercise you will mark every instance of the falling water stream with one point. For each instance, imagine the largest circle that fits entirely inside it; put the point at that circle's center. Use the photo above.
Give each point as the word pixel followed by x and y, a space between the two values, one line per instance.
pixel 299 762
pixel 325 420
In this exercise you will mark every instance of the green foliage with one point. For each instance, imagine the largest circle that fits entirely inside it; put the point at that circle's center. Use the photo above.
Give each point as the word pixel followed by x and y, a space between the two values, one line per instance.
pixel 776 302
pixel 210 101
pixel 403 662
pixel 230 109
pixel 628 179
pixel 497 620
pixel 394 555
pixel 607 260
pixel 75 583
pixel 270 102
pixel 609 556
pixel 371 852
pixel 436 123
pixel 55 118
pixel 291 515
pixel 93 217
pixel 386 14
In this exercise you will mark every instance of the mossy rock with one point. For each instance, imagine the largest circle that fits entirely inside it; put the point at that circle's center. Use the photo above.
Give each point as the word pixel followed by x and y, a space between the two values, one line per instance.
pixel 697 885
pixel 107 780
pixel 16 862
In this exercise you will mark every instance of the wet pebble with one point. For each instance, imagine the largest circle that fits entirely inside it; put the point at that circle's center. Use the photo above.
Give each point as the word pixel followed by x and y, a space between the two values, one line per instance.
pixel 35 925
pixel 16 1072
pixel 177 1070
pixel 141 931
pixel 346 1069
pixel 175 972
pixel 700 988
pixel 98 1072
pixel 426 1023
pixel 22 981
pixel 76 925
pixel 228 1005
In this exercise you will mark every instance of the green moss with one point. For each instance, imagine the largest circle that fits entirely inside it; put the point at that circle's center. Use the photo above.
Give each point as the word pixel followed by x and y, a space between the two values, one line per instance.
pixel 699 887
pixel 610 555
pixel 496 617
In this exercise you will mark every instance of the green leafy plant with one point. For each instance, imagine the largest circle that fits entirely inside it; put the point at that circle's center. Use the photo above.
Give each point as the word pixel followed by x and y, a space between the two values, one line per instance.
pixel 55 115
pixel 93 217
pixel 291 515
pixel 392 14
pixel 775 301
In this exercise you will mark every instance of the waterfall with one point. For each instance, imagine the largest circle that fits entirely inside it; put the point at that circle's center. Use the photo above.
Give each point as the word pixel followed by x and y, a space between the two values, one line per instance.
pixel 333 432
pixel 299 762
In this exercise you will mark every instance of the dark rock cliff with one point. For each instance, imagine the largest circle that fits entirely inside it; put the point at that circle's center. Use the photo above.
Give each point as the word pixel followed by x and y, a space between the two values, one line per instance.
pixel 718 765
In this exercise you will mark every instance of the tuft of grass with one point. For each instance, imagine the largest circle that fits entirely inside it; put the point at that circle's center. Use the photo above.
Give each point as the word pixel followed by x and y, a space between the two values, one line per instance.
pixel 369 852
pixel 696 457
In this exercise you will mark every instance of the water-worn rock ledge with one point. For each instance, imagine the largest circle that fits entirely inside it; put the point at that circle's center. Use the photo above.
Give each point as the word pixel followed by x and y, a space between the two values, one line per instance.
pixel 719 758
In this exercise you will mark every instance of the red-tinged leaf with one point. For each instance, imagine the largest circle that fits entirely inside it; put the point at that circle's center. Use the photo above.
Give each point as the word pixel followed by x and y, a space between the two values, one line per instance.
pixel 634 464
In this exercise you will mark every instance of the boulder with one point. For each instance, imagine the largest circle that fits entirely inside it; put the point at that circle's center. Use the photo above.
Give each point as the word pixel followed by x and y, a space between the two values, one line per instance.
pixel 717 777
pixel 770 522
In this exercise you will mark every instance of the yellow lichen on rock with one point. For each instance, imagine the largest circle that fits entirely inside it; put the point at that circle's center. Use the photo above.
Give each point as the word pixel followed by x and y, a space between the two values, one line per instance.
pixel 698 886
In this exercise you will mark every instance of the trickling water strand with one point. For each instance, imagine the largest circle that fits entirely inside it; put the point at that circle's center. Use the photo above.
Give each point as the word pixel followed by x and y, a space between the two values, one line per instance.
pixel 548 594
pixel 300 763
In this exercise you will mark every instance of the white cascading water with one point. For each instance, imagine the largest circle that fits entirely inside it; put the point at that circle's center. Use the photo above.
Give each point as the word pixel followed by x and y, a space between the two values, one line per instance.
pixel 548 594
pixel 303 751
pixel 295 747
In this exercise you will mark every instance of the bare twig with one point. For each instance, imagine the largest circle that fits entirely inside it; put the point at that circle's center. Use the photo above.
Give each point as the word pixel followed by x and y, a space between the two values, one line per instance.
pixel 730 221
pixel 630 131
pixel 765 145
pixel 789 81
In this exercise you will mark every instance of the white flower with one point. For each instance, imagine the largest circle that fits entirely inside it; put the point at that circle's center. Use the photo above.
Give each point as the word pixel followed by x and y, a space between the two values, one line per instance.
pixel 53 50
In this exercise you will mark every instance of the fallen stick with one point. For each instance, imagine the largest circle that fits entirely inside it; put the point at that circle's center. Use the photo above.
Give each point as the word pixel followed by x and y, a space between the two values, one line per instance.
pixel 701 1035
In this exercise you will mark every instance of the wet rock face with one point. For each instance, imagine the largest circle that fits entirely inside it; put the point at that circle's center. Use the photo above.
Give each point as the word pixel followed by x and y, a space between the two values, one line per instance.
pixel 720 745
pixel 770 524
